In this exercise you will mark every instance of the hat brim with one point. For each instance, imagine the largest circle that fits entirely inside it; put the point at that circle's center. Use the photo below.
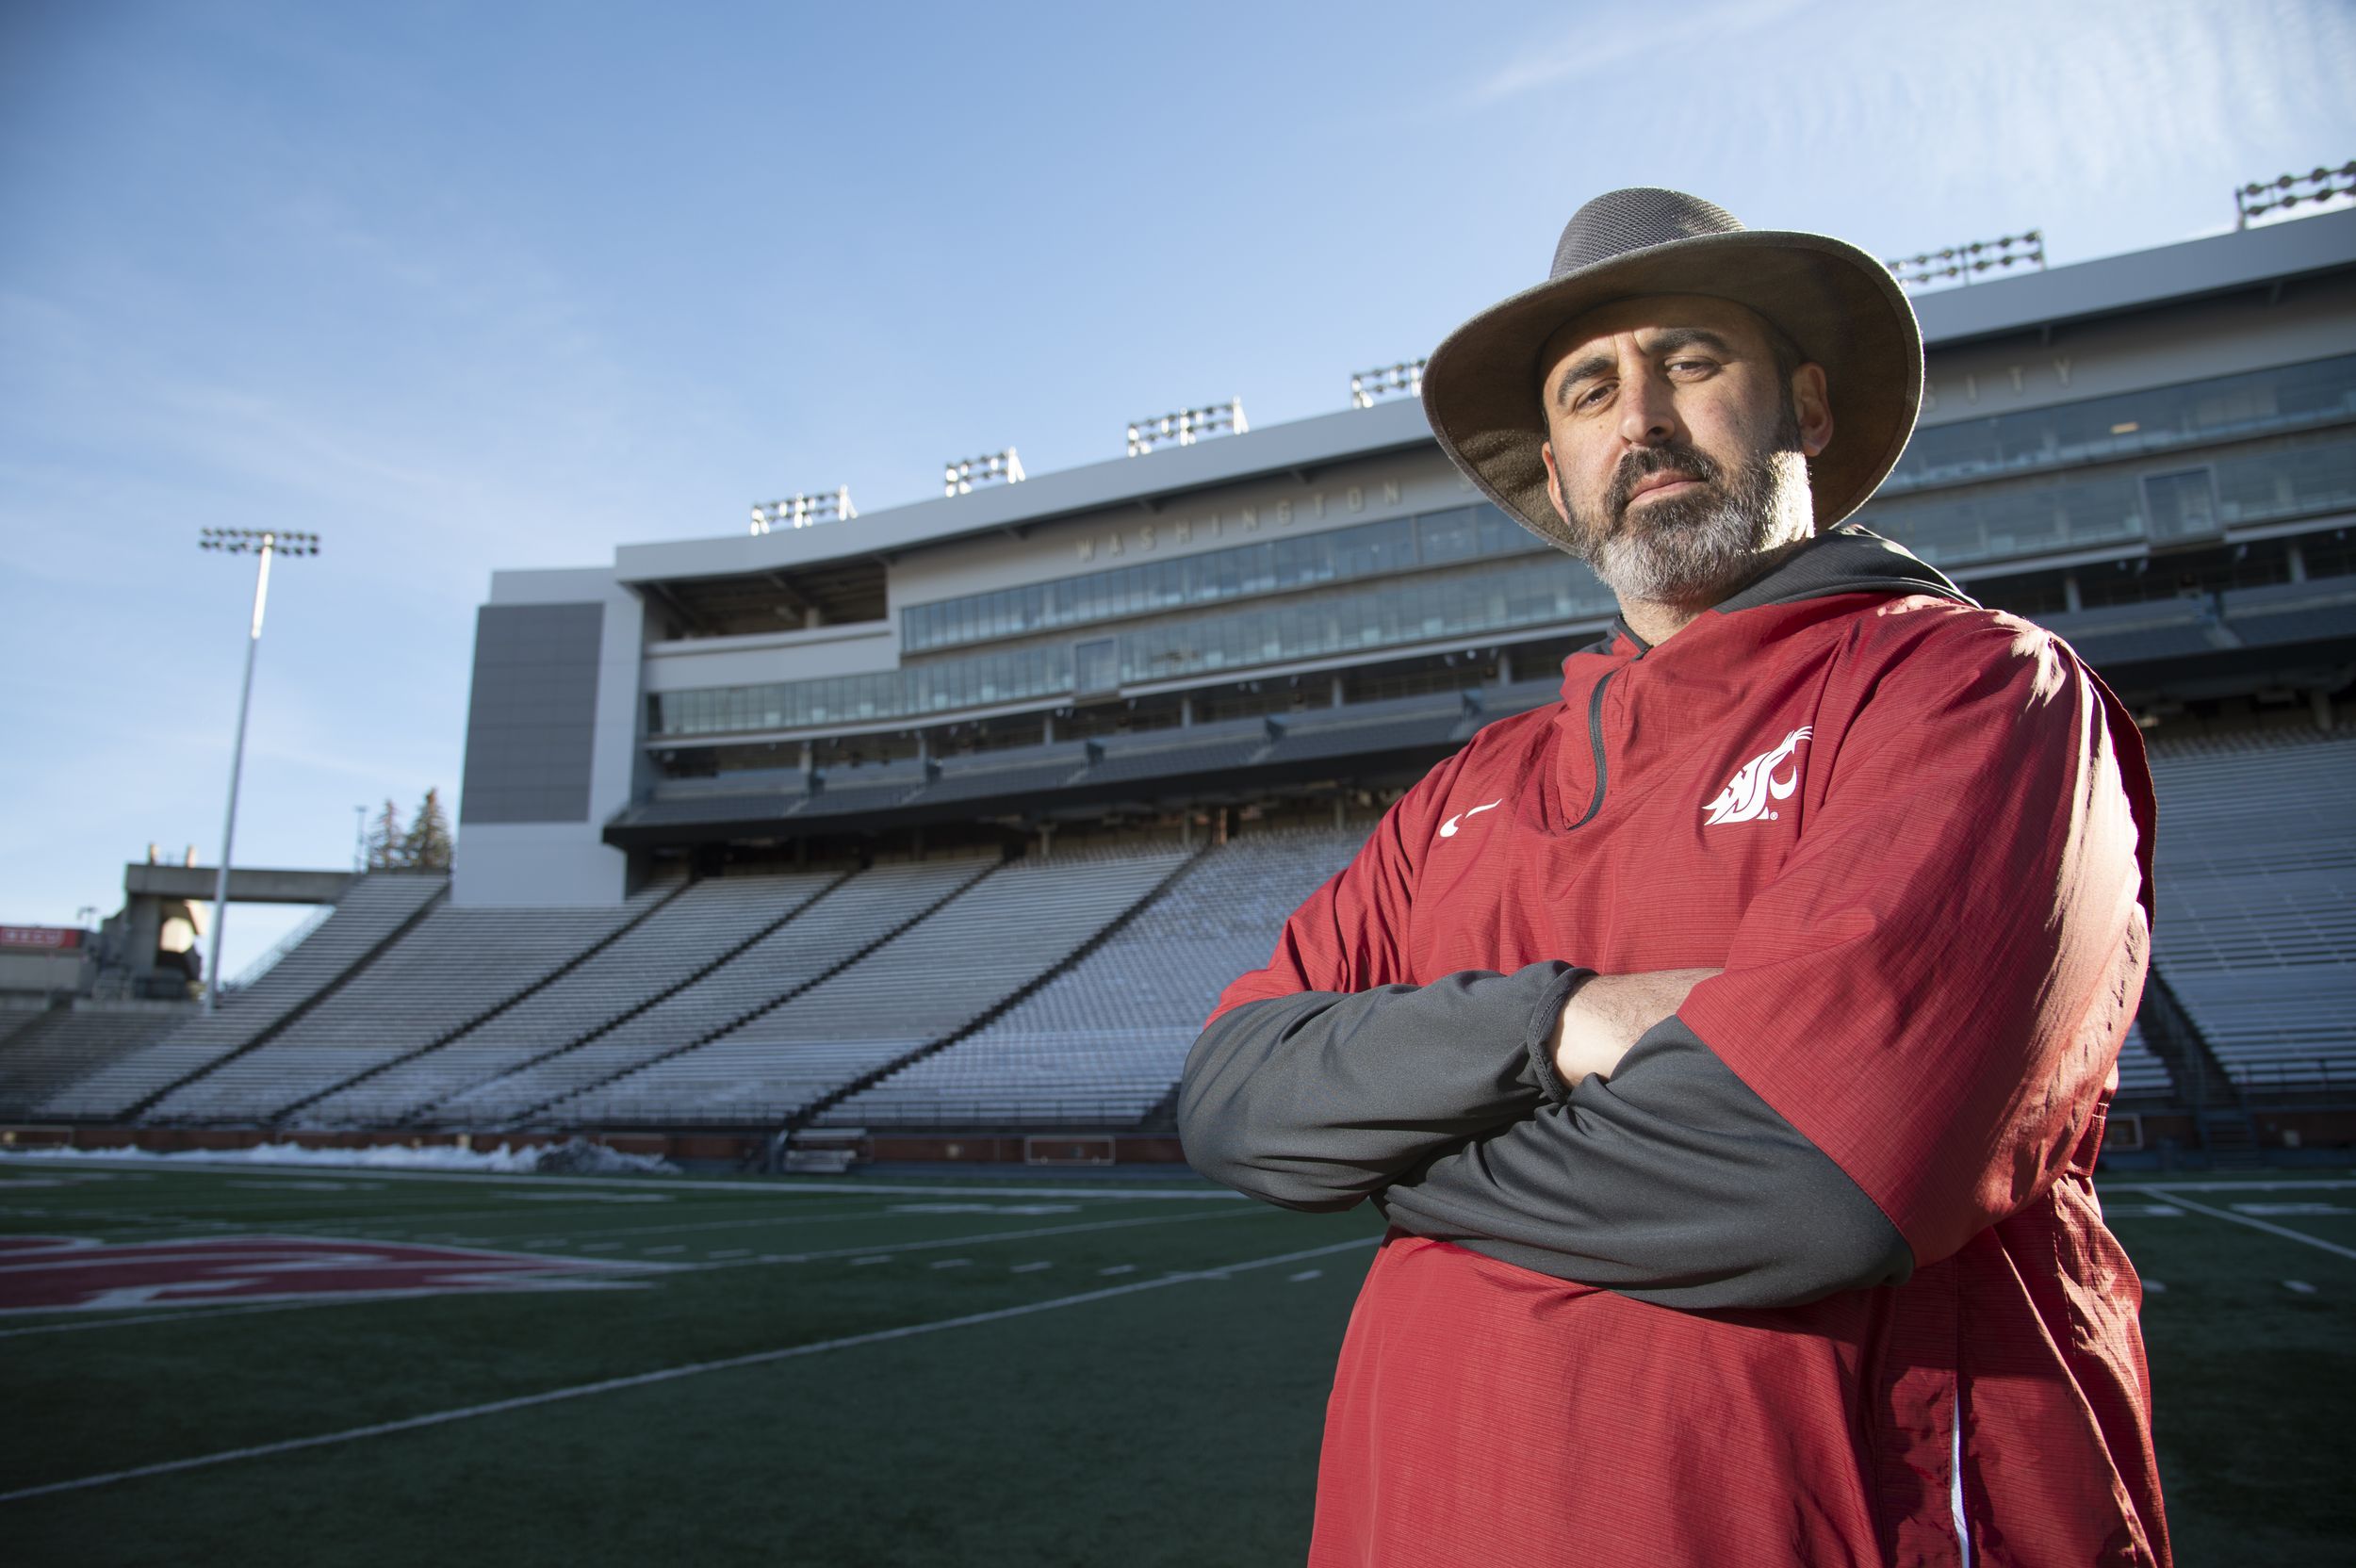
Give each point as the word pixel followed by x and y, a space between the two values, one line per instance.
pixel 1840 306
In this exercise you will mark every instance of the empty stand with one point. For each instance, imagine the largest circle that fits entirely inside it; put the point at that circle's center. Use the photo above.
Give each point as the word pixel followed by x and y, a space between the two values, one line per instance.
pixel 1103 1043
pixel 2256 868
pixel 514 1071
pixel 372 912
pixel 2143 1075
pixel 924 985
pixel 448 970
pixel 668 949
pixel 55 1048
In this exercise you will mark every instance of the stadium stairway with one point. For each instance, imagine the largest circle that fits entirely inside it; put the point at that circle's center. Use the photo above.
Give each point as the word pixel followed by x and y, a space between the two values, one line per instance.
pixel 532 1103
pixel 1100 1043
pixel 453 964
pixel 809 1116
pixel 924 986
pixel 374 913
pixel 520 1006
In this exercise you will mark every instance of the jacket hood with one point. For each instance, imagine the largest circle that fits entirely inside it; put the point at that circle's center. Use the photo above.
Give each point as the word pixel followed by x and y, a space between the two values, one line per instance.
pixel 1845 559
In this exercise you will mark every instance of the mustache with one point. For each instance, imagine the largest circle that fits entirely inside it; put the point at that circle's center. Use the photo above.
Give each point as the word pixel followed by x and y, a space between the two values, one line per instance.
pixel 1645 461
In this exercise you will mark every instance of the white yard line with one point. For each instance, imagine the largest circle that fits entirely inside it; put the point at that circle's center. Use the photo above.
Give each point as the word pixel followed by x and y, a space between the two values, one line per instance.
pixel 672 1374
pixel 2176 1194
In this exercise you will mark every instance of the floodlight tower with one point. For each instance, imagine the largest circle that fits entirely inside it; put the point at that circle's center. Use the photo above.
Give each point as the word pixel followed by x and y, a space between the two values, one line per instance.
pixel 264 542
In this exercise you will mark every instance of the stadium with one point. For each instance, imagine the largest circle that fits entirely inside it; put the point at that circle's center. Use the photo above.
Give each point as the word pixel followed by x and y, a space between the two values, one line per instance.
pixel 919 842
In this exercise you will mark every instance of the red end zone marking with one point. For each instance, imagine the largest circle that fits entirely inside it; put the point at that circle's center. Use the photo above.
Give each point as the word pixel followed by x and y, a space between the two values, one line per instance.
pixel 75 1274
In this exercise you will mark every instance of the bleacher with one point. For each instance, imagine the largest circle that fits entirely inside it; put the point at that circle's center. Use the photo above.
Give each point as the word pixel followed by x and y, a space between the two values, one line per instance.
pixel 2256 867
pixel 649 960
pixel 1102 1044
pixel 46 1052
pixel 453 967
pixel 2143 1075
pixel 371 912
pixel 932 980
pixel 514 1069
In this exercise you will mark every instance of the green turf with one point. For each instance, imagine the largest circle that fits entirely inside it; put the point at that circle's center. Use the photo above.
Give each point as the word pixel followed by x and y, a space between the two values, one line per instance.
pixel 1172 1424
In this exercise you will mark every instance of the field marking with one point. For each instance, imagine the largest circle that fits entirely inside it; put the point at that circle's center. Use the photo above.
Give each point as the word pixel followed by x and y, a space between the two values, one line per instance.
pixel 1118 1268
pixel 2177 1195
pixel 672 1374
pixel 1305 1275
pixel 2302 1287
pixel 825 1186
pixel 952 1262
pixel 1029 1268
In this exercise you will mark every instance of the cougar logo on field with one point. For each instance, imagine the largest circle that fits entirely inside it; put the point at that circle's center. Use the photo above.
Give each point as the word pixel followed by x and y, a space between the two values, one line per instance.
pixel 1755 788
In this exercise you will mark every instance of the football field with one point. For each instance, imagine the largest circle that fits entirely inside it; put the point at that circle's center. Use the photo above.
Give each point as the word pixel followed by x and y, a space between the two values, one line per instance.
pixel 299 1365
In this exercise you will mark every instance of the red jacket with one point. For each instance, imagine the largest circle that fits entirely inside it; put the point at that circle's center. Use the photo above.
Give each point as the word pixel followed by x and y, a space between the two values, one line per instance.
pixel 1915 836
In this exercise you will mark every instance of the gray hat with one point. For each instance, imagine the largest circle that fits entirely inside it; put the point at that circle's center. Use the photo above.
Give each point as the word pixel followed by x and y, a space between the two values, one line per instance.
pixel 1840 306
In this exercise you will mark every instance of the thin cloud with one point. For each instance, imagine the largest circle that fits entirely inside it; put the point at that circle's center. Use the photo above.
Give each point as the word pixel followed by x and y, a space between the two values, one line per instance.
pixel 1586 53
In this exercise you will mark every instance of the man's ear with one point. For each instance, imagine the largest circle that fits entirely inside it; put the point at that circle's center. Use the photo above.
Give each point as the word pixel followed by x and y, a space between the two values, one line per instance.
pixel 1554 483
pixel 1813 405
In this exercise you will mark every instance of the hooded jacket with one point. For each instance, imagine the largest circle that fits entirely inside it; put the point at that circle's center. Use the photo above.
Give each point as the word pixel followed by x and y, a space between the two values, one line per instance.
pixel 1818 1275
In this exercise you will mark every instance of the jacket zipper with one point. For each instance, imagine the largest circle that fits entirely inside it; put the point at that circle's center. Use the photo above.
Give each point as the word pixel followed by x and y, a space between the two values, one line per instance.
pixel 1595 735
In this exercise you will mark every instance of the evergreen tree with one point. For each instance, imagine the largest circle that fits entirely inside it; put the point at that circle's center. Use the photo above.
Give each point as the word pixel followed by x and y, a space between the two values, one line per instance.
pixel 427 846
pixel 387 843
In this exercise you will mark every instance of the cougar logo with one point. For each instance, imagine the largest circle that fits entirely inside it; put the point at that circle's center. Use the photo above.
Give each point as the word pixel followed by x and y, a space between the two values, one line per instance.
pixel 1755 786
pixel 1447 829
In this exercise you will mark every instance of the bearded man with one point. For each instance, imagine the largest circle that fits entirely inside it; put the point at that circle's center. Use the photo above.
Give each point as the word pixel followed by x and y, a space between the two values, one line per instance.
pixel 1727 1045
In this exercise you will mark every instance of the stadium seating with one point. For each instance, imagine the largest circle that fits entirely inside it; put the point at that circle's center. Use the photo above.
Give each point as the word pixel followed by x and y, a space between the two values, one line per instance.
pixel 451 969
pixel 2143 1075
pixel 54 1049
pixel 647 962
pixel 512 1070
pixel 1102 1044
pixel 937 977
pixel 2256 868
pixel 374 909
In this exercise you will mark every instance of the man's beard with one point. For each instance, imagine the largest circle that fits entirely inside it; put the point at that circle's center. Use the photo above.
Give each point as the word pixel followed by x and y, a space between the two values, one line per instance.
pixel 1690 550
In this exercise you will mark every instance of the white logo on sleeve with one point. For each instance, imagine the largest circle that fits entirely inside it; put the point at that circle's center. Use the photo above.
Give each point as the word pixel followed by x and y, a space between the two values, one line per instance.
pixel 1755 786
pixel 1447 829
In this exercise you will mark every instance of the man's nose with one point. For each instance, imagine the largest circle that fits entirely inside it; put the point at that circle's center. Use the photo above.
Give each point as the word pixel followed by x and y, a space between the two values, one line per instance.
pixel 1648 414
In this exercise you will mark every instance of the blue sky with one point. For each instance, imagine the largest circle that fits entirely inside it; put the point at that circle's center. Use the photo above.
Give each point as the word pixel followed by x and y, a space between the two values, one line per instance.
pixel 471 286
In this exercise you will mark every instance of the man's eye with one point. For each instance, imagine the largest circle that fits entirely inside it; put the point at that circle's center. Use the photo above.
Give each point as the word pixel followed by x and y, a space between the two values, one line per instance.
pixel 1696 365
pixel 1591 396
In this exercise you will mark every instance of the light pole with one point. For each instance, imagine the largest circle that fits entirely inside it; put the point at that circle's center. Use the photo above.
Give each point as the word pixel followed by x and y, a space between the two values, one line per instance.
pixel 264 542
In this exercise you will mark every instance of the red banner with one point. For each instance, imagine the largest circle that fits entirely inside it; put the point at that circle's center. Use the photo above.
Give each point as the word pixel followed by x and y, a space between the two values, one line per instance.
pixel 48 938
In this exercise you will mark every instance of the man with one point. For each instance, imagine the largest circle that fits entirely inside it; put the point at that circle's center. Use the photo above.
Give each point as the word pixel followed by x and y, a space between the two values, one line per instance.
pixel 1729 1044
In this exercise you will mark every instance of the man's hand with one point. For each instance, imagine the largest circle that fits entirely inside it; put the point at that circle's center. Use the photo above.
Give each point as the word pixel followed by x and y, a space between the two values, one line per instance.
pixel 1612 1012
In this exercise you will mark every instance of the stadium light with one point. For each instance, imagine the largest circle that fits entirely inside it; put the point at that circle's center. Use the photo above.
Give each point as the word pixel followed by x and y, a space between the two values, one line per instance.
pixel 1367 385
pixel 959 478
pixel 2317 186
pixel 1187 426
pixel 833 506
pixel 264 542
pixel 1962 262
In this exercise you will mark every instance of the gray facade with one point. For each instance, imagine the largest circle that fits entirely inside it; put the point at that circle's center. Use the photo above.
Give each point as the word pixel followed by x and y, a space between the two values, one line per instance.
pixel 531 720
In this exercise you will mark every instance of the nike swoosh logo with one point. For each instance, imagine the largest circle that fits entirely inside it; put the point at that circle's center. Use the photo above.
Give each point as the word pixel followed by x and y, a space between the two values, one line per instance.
pixel 1447 829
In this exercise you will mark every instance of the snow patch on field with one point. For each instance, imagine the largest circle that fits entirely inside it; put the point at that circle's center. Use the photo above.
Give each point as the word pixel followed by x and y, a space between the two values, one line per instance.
pixel 574 1157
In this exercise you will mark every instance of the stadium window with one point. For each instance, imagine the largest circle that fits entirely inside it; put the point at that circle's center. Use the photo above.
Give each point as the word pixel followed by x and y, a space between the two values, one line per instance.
pixel 1096 665
pixel 2180 505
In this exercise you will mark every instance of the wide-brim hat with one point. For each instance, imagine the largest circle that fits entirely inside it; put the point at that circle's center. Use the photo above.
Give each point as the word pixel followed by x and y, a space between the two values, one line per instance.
pixel 1836 303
